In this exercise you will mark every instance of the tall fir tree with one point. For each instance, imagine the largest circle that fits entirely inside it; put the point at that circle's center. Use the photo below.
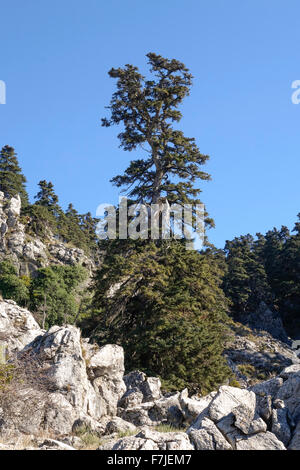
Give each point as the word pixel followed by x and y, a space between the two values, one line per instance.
pixel 148 109
pixel 46 196
pixel 160 301
pixel 12 180
pixel 245 283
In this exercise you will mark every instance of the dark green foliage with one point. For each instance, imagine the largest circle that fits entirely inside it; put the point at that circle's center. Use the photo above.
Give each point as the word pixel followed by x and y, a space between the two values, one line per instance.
pixel 169 312
pixel 161 302
pixel 79 229
pixel 11 285
pixel 12 181
pixel 40 221
pixel 53 293
pixel 245 282
pixel 46 196
pixel 148 109
pixel 286 278
pixel 266 268
pixel 46 217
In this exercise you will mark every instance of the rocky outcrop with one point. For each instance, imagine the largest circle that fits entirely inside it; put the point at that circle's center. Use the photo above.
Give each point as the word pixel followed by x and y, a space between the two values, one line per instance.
pixel 68 386
pixel 77 384
pixel 255 355
pixel 18 328
pixel 152 440
pixel 267 320
pixel 27 252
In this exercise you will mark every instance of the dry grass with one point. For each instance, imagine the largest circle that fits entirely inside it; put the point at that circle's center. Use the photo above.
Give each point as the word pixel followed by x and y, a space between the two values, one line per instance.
pixel 168 428
pixel 24 388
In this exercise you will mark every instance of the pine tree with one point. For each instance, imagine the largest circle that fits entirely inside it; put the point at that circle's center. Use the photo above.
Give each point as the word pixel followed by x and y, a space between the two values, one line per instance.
pixel 161 302
pixel 45 213
pixel 11 285
pixel 164 305
pixel 287 287
pixel 12 180
pixel 148 109
pixel 246 283
pixel 46 196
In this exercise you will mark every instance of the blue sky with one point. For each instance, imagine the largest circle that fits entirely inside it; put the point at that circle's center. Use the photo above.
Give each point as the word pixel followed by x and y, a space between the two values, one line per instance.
pixel 244 56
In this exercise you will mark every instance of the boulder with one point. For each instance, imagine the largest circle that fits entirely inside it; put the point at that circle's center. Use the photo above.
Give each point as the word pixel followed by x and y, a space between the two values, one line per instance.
pixel 289 392
pixel 260 441
pixel 280 425
pixel 229 398
pixel 18 328
pixel 148 386
pixel 295 442
pixel 247 421
pixel 67 382
pixel 208 437
pixel 191 407
pixel 154 440
pixel 131 399
pixel 118 425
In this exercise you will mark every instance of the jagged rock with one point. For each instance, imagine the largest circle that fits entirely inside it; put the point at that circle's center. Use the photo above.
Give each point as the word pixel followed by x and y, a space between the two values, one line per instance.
pixel 134 443
pixel 280 425
pixel 261 352
pixel 35 250
pixel 264 392
pixel 30 253
pixel 53 444
pixel 73 390
pixel 289 371
pixel 264 406
pixel 260 441
pixel 204 404
pixel 247 420
pixel 191 408
pixel 165 410
pixel 105 368
pixel 131 398
pixel 289 392
pixel 83 386
pixel 73 441
pixel 208 437
pixel 269 387
pixel 138 415
pixel 295 442
pixel 14 206
pixel 68 255
pixel 17 327
pixel 229 398
pixel 153 440
pixel 148 386
pixel 239 441
pixel 268 320
pixel 117 425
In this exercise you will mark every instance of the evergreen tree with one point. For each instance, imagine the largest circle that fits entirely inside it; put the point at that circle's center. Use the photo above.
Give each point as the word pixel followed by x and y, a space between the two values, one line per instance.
pixel 46 196
pixel 164 305
pixel 45 213
pixel 53 293
pixel 246 283
pixel 287 286
pixel 11 285
pixel 161 302
pixel 148 108
pixel 12 180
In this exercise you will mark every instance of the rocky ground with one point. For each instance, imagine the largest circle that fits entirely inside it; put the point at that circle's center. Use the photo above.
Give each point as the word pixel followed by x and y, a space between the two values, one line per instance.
pixel 66 393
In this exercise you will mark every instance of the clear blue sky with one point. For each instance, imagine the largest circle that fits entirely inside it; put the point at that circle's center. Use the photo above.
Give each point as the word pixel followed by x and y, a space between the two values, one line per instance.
pixel 244 56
